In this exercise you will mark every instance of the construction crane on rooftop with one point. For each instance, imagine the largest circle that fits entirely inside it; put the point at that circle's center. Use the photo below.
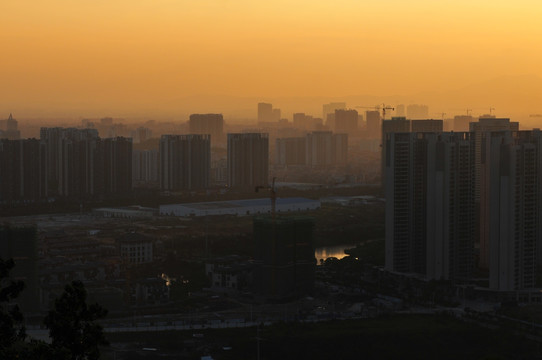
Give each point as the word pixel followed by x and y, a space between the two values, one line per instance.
pixel 272 195
pixel 382 107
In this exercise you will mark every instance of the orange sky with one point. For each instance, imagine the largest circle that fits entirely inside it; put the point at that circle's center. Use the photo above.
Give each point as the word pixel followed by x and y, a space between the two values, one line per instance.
pixel 120 54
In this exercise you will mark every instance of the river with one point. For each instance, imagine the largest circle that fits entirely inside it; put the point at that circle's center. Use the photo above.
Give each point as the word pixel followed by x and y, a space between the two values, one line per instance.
pixel 336 251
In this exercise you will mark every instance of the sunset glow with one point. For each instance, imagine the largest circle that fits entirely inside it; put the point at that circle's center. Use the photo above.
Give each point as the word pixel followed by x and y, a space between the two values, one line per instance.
pixel 121 54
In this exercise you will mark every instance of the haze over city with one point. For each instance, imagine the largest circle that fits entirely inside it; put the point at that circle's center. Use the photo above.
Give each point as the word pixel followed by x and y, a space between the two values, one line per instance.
pixel 167 59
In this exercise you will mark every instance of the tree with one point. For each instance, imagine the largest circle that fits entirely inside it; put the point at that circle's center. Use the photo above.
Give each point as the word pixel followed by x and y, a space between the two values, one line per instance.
pixel 11 319
pixel 75 334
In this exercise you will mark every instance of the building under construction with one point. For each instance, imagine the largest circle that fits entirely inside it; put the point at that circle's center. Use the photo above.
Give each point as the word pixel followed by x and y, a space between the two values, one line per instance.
pixel 284 256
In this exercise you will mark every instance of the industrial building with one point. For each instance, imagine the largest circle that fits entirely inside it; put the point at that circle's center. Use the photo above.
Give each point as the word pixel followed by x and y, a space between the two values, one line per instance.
pixel 239 207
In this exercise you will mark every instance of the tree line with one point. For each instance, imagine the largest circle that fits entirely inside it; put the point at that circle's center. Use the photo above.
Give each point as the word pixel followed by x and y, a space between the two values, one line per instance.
pixel 73 330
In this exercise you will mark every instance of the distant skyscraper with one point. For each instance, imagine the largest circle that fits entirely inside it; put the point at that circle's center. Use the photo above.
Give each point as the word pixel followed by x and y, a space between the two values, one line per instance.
pixel 346 121
pixel 395 125
pixel 510 208
pixel 326 149
pixel 302 121
pixel 426 125
pixel 248 160
pixel 400 110
pixel 276 115
pixel 330 109
pixel 185 162
pixel 374 125
pixel 141 134
pixel 145 165
pixel 461 122
pixel 430 209
pixel 9 129
pixel 291 151
pixel 415 111
pixel 265 112
pixel 208 124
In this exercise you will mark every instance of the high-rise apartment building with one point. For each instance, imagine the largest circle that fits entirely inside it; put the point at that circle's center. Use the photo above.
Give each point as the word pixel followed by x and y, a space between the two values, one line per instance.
pixel 316 149
pixel 284 256
pixel 208 124
pixel 22 170
pixel 248 160
pixel 416 111
pixel 346 121
pixel 268 114
pixel 511 208
pixel 185 162
pixel 145 165
pixel 323 148
pixel 265 112
pixel 71 160
pixel 329 109
pixel 430 209
pixel 462 122
pixel 426 125
pixel 400 110
pixel 374 124
pixel 291 151
pixel 483 125
pixel 117 165
pixel 395 125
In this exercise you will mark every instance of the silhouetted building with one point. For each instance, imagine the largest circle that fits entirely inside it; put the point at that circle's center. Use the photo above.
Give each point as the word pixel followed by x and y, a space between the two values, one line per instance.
pixel 426 125
pixel 284 256
pixel 22 170
pixel 329 109
pixel 374 124
pixel 395 125
pixel 462 122
pixel 9 129
pixel 185 162
pixel 265 112
pixel 323 148
pixel 141 134
pixel 302 121
pixel 510 208
pixel 72 161
pixel 415 111
pixel 248 160
pixel 208 124
pixel 291 151
pixel 346 121
pixel 145 164
pixel 117 165
pixel 430 208
pixel 485 124
pixel 400 110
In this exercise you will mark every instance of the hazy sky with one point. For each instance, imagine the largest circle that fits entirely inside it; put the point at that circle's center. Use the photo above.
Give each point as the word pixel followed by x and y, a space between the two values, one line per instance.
pixel 145 52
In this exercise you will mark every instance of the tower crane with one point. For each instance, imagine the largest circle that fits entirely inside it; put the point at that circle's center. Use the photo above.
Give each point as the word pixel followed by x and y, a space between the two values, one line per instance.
pixel 382 107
